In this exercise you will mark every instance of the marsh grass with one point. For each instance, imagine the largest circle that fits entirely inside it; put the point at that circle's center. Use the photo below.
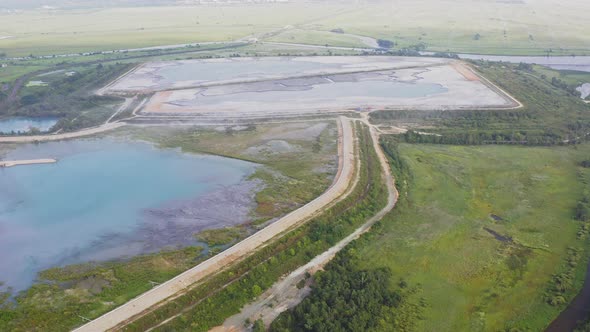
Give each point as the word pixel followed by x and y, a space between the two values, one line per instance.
pixel 435 237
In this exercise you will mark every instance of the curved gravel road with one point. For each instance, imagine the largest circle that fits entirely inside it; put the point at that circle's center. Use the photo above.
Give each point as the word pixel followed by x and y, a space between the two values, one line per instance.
pixel 285 294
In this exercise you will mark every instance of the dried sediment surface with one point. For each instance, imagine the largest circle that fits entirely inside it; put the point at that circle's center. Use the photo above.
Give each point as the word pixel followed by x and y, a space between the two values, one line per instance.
pixel 166 75
pixel 584 90
pixel 425 88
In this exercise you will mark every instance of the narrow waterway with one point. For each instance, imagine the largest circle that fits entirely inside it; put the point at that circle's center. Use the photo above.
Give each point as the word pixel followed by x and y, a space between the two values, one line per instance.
pixel 578 63
pixel 20 124
pixel 577 310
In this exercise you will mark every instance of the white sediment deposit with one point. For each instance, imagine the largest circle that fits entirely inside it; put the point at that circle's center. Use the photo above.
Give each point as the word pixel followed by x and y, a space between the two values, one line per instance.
pixel 584 89
pixel 277 86
pixel 11 163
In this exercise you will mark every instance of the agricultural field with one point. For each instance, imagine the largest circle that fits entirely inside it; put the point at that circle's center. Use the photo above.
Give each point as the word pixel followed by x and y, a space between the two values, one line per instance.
pixel 490 27
pixel 506 27
pixel 41 32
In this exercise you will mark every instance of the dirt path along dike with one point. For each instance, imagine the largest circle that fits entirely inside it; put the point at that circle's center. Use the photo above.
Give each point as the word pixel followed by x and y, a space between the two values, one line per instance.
pixel 285 294
pixel 134 308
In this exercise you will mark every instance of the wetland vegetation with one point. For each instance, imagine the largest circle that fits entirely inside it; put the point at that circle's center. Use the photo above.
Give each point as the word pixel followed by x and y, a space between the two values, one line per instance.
pixel 448 195
pixel 303 163
pixel 505 201
pixel 299 159
pixel 87 290
pixel 221 236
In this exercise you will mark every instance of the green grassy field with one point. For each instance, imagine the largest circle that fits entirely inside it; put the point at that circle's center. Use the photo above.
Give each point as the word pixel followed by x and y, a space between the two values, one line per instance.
pixel 221 236
pixel 571 77
pixel 90 289
pixel 435 238
pixel 506 27
pixel 72 31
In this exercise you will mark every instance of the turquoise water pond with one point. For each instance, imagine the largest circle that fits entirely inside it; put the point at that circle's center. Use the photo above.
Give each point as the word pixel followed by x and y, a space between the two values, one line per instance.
pixel 23 124
pixel 99 190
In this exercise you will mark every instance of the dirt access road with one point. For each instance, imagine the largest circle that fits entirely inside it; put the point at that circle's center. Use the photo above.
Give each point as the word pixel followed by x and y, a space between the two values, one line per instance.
pixel 285 294
pixel 137 306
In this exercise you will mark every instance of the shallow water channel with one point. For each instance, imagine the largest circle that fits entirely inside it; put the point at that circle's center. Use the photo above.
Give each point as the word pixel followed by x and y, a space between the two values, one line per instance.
pixel 578 63
pixel 23 124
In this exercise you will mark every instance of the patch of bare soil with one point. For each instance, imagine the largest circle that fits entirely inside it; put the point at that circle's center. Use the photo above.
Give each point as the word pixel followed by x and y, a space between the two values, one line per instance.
pixel 466 72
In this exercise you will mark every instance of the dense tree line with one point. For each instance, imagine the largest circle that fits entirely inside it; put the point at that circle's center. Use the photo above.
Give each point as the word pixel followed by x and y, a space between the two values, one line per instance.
pixel 464 118
pixel 448 55
pixel 562 283
pixel 399 168
pixel 583 326
pixel 70 98
pixel 582 210
pixel 344 298
pixel 571 89
pixel 477 138
pixel 384 43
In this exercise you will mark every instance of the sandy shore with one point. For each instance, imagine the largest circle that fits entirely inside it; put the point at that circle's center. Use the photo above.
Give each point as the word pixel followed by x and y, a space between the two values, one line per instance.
pixel 11 163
